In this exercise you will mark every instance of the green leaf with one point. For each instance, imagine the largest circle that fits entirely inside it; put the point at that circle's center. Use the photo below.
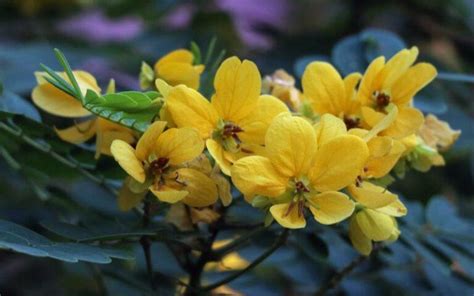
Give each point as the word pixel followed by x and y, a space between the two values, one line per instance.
pixel 355 52
pixel 67 68
pixel 22 240
pixel 82 234
pixel 196 53
pixel 133 109
pixel 13 103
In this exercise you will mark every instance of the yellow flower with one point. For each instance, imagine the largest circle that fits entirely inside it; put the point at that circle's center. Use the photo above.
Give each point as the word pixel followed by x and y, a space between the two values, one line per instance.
pixel 177 68
pixel 437 134
pixel 394 83
pixel 329 93
pixel 304 167
pixel 282 86
pixel 54 101
pixel 234 122
pixel 231 261
pixel 374 217
pixel 155 166
pixel 202 164
pixel 384 153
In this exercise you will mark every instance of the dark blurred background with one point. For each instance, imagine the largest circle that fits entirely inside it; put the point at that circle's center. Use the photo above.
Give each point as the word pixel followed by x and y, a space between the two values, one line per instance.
pixel 110 38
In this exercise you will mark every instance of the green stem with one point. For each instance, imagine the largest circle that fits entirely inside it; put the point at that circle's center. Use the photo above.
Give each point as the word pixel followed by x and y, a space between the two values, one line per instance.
pixel 276 245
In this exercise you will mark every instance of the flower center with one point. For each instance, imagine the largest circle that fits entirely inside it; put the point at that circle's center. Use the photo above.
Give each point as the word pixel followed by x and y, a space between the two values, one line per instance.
pixel 158 166
pixel 351 122
pixel 301 188
pixel 227 133
pixel 381 99
pixel 231 130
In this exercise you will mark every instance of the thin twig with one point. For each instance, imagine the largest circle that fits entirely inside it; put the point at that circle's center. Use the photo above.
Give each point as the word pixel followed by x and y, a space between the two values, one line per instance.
pixel 276 245
pixel 99 279
pixel 340 275
pixel 146 244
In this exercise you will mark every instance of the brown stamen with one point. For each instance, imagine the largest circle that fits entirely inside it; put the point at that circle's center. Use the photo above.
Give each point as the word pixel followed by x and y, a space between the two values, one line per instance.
pixel 158 166
pixel 351 122
pixel 290 208
pixel 382 100
pixel 300 187
pixel 301 208
pixel 231 130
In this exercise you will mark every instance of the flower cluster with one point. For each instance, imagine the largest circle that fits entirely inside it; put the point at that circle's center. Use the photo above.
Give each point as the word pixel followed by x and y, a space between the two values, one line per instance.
pixel 326 151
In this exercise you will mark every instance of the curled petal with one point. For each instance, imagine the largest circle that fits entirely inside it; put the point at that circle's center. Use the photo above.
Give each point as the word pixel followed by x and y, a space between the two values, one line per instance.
pixel 78 133
pixel 124 154
pixel 202 189
pixel 372 196
pixel 169 195
pixel 288 217
pixel 374 225
pixel 358 239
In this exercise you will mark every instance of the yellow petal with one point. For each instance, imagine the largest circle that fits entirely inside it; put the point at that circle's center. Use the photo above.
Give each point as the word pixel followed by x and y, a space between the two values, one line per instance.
pixel 204 215
pixel 367 84
pixel 218 153
pixel 338 163
pixel 200 163
pixel 291 144
pixel 188 108
pixel 179 73
pixel 411 82
pixel 237 85
pixel 374 225
pixel 395 209
pixel 176 56
pixel 54 101
pixel 324 87
pixel 223 186
pixel 128 199
pixel 331 207
pixel 202 189
pixel 179 145
pixel 255 126
pixel 372 196
pixel 360 242
pixel 146 144
pixel 329 127
pixel 351 106
pixel 378 121
pixel 396 67
pixel 78 133
pixel 169 195
pixel 105 138
pixel 380 165
pixel 255 175
pixel 286 217
pixel 408 121
pixel 163 87
pixel 124 154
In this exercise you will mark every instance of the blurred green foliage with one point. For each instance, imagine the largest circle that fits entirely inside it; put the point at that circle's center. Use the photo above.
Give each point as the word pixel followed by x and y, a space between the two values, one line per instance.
pixel 65 198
